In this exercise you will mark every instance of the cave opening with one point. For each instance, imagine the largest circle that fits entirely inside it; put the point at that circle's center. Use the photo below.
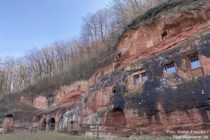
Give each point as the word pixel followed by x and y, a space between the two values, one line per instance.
pixel 72 125
pixel 164 35
pixel 116 117
pixel 9 116
pixel 51 124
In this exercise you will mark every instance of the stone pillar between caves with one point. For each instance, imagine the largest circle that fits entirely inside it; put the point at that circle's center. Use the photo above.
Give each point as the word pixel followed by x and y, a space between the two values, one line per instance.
pixel 47 127
pixel 56 126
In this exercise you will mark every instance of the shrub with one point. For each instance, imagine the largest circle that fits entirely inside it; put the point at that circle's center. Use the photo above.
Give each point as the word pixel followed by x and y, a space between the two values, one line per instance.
pixel 157 10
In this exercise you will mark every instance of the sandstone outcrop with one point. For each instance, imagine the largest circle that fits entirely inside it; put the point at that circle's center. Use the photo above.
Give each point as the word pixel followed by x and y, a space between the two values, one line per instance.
pixel 69 95
pixel 160 83
pixel 40 102
pixel 7 125
pixel 164 31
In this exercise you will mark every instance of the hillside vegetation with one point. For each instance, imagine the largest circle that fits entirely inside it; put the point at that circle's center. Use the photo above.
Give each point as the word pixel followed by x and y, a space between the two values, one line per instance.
pixel 10 103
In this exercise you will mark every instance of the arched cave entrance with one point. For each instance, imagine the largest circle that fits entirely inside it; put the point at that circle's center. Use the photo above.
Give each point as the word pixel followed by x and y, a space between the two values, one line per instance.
pixel 116 117
pixel 72 125
pixel 43 124
pixel 9 116
pixel 60 124
pixel 51 124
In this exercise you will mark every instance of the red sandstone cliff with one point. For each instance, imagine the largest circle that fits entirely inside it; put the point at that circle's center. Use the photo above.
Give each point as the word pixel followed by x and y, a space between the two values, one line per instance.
pixel 144 47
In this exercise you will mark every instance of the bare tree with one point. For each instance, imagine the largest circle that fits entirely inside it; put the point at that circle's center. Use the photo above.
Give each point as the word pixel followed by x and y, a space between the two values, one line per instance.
pixel 78 58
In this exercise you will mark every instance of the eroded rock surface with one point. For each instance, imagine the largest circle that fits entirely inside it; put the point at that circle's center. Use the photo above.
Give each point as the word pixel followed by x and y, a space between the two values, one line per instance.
pixel 160 83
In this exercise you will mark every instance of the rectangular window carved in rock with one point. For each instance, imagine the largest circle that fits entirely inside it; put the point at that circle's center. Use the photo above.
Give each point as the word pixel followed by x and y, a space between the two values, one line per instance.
pixel 170 68
pixel 140 78
pixel 136 79
pixel 195 62
pixel 144 76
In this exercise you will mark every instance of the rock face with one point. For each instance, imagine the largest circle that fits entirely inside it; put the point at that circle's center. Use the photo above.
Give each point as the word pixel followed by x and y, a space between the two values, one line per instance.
pixel 25 100
pixel 7 125
pixel 69 95
pixel 164 31
pixel 161 82
pixel 40 102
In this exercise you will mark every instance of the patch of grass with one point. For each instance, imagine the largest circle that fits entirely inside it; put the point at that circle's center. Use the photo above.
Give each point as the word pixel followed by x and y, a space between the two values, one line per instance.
pixel 43 136
pixel 35 136
pixel 63 136
pixel 3 111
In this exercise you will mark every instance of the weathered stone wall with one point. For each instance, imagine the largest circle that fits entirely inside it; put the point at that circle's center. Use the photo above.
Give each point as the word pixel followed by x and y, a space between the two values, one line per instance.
pixel 162 102
pixel 70 94
pixel 7 125
pixel 23 119
pixel 166 30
